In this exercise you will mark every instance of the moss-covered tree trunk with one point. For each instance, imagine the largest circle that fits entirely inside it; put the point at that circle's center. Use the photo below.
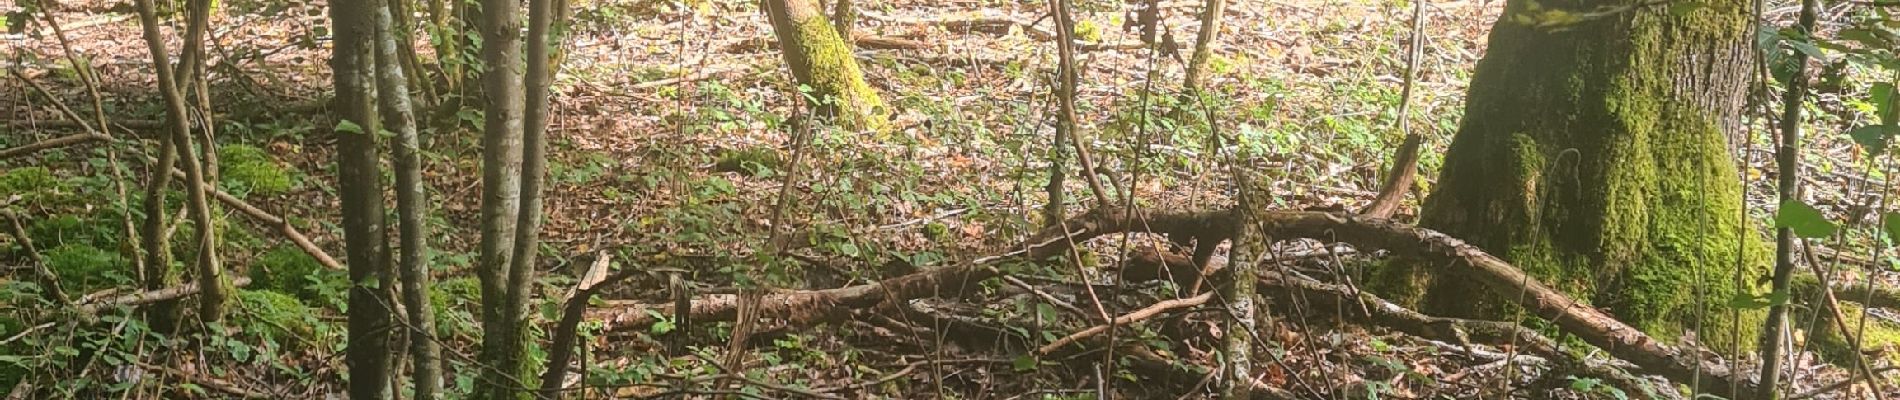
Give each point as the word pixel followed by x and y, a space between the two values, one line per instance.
pixel 1594 155
pixel 822 60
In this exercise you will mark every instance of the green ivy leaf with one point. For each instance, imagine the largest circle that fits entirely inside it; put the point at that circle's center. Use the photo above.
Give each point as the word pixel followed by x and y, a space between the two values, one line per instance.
pixel 1803 219
pixel 1882 94
pixel 1745 301
pixel 1024 363
pixel 1873 138
pixel 345 126
pixel 1807 47
pixel 1891 223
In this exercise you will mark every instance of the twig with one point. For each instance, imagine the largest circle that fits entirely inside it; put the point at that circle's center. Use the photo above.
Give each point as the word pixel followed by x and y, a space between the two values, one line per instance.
pixel 1044 295
pixel 1129 318
pixel 1842 384
pixel 213 383
pixel 24 332
pixel 57 142
pixel 47 277
pixel 282 225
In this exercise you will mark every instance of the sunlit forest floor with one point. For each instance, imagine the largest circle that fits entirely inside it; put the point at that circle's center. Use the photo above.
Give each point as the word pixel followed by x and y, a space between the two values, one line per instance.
pixel 672 146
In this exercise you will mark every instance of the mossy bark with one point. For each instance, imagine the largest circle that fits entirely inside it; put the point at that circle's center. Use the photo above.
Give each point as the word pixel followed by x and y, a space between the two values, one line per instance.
pixel 1594 155
pixel 822 60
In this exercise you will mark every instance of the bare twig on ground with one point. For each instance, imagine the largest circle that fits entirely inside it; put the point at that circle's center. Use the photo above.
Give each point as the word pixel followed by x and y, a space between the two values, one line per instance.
pixel 1129 318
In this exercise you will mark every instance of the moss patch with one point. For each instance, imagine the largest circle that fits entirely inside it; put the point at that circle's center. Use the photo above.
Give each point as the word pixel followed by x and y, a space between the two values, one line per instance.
pixel 83 268
pixel 830 71
pixel 1826 339
pixel 290 271
pixel 245 169
pixel 282 318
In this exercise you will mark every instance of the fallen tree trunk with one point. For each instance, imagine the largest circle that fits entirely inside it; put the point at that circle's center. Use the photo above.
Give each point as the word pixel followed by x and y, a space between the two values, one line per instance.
pixel 1586 323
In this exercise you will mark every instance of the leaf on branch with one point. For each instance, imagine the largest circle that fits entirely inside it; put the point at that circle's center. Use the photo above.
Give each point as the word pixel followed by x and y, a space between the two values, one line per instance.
pixel 346 126
pixel 1873 138
pixel 1891 224
pixel 1803 219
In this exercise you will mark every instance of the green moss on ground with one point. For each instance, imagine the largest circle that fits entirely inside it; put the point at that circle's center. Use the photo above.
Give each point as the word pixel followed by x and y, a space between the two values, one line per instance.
pixel 245 169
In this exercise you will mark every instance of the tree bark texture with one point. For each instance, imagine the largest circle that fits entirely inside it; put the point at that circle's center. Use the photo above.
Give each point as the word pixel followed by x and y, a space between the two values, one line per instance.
pixel 1595 157
pixel 398 114
pixel 821 60
pixel 359 186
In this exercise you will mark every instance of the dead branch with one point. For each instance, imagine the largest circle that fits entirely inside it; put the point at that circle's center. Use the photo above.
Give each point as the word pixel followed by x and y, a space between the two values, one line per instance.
pixel 803 307
pixel 135 124
pixel 208 382
pixel 1398 180
pixel 48 279
pixel 152 296
pixel 1586 323
pixel 994 24
pixel 1877 297
pixel 564 333
pixel 57 142
pixel 1129 318
pixel 275 222
pixel 870 41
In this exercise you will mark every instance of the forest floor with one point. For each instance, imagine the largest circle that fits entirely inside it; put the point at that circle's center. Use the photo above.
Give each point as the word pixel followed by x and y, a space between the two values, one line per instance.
pixel 671 149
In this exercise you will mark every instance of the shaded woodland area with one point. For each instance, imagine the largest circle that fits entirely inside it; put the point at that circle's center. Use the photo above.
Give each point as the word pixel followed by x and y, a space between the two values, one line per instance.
pixel 1051 199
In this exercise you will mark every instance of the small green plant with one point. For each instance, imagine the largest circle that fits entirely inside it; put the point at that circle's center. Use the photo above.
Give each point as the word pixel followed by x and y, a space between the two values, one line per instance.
pixel 290 271
pixel 277 317
pixel 757 161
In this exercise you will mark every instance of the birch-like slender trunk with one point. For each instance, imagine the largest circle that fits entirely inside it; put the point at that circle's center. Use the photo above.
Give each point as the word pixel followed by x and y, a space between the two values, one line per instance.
pixel 360 189
pixel 501 194
pixel 411 205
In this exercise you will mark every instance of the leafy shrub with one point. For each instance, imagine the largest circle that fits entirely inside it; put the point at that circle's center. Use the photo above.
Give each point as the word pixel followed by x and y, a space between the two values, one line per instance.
pixel 34 185
pixel 248 169
pixel 455 301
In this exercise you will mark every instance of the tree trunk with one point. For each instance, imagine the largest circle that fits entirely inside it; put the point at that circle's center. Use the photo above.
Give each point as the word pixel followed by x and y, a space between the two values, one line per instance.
pixel 1204 43
pixel 411 209
pixel 1594 157
pixel 359 186
pixel 501 192
pixel 210 275
pixel 822 60
pixel 1250 247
